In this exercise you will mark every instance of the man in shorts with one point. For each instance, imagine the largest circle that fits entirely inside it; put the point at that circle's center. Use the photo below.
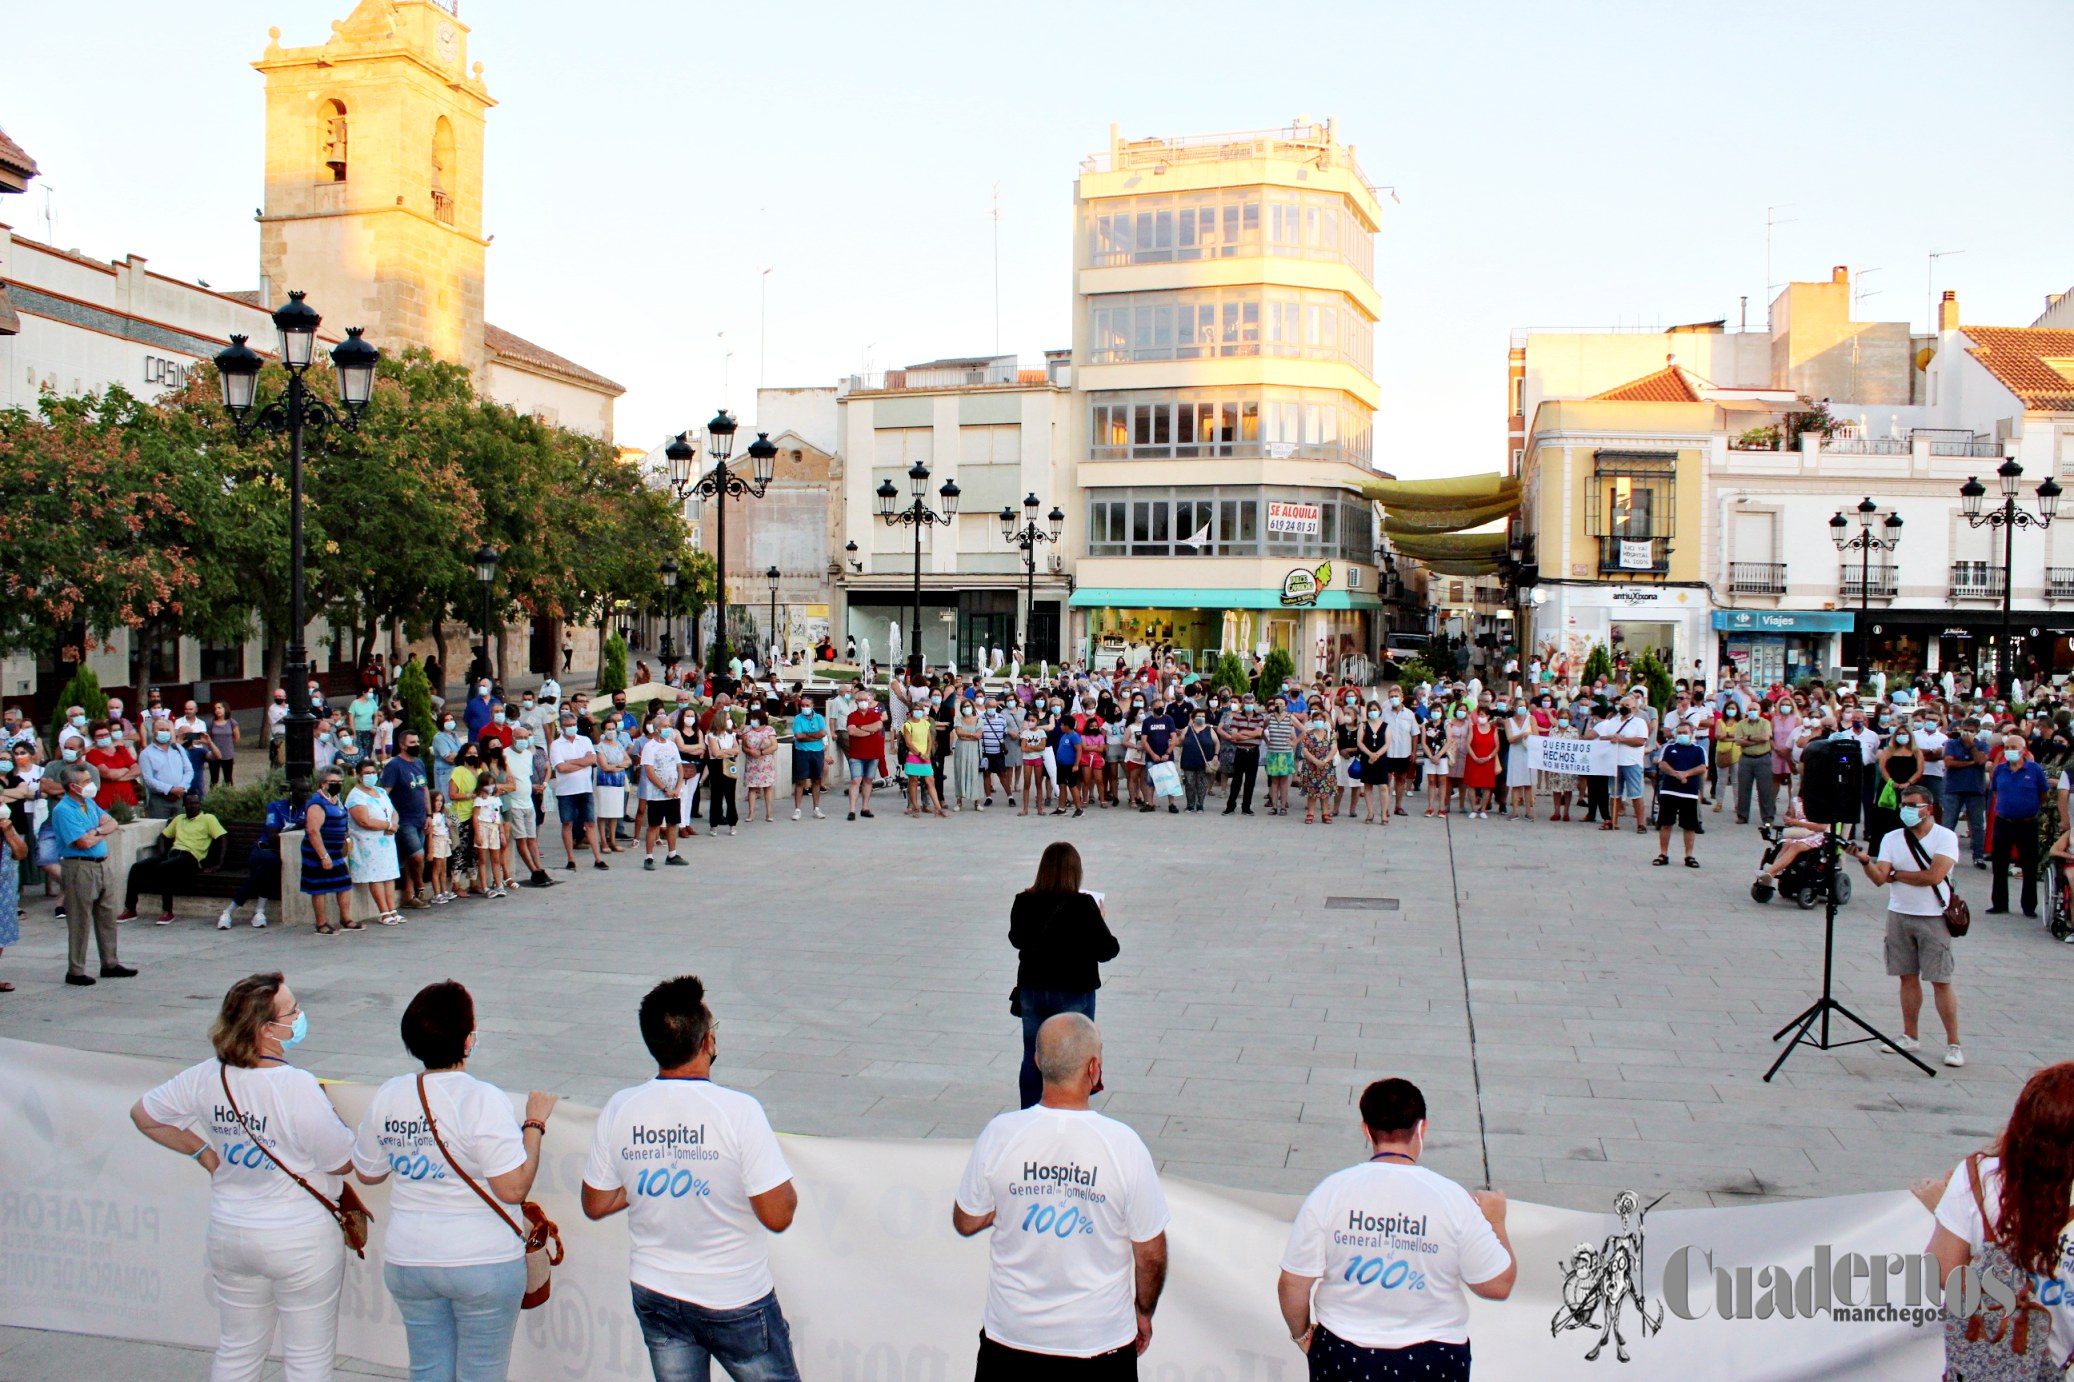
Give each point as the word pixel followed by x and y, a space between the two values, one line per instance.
pixel 867 751
pixel 809 755
pixel 1400 743
pixel 1630 734
pixel 662 782
pixel 573 760
pixel 1919 947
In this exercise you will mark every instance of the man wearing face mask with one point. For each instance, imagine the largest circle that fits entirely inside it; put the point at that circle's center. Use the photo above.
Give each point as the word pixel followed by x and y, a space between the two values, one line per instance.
pixel 2019 788
pixel 1244 727
pixel 166 771
pixel 1918 860
pixel 1678 773
pixel 477 712
pixel 82 830
pixel 1400 749
pixel 404 779
pixel 572 759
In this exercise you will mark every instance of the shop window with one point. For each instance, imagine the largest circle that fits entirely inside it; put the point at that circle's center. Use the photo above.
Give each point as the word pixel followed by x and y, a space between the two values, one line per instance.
pixel 223 661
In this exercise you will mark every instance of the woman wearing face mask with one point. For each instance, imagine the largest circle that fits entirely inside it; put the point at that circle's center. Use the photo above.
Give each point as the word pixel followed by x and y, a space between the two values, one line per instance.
pixel 965 777
pixel 1094 758
pixel 371 842
pixel 1379 780
pixel 325 876
pixel 610 793
pixel 1480 763
pixel 1315 777
pixel 760 762
pixel 723 771
pixel 917 744
pixel 446 752
pixel 1346 737
pixel 1897 765
pixel 1519 777
pixel 274 1252
pixel 460 811
pixel 1457 727
pixel 1278 754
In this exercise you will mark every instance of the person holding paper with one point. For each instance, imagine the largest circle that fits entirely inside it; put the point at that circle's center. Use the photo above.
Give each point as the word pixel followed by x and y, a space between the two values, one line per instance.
pixel 1062 937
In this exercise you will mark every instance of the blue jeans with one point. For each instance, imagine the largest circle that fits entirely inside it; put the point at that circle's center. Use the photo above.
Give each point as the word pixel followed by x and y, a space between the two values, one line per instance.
pixel 1038 1004
pixel 1973 806
pixel 458 1320
pixel 752 1342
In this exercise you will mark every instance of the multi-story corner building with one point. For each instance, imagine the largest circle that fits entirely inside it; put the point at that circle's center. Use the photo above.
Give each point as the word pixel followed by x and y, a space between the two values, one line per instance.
pixel 995 429
pixel 1223 398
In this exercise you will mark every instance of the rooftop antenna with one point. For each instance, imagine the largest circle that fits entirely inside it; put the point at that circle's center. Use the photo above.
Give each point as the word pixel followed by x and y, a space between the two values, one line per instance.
pixel 1771 220
pixel 726 365
pixel 763 319
pixel 997 268
pixel 50 235
pixel 1930 283
pixel 1858 294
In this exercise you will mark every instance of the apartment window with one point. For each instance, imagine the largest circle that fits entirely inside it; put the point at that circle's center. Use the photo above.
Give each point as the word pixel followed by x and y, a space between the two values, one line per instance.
pixel 1222 521
pixel 1227 223
pixel 223 661
pixel 992 445
pixel 1632 500
pixel 1183 424
pixel 1222 323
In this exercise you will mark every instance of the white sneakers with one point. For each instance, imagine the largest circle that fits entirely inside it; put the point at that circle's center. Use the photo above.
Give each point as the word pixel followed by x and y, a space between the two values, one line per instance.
pixel 795 813
pixel 820 815
pixel 223 919
pixel 1954 1057
pixel 259 918
pixel 1908 1043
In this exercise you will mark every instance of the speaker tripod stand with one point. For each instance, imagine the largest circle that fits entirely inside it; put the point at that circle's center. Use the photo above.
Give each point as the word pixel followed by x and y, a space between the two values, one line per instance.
pixel 1804 1026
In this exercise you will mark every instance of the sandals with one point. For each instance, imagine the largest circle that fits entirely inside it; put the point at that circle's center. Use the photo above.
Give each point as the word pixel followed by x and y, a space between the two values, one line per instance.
pixel 1691 862
pixel 1308 818
pixel 325 928
pixel 350 925
pixel 390 919
pixel 1660 860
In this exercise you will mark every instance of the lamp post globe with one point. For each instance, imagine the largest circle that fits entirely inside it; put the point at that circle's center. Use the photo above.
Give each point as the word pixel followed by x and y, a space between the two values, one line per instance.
pixel 237 371
pixel 296 322
pixel 355 360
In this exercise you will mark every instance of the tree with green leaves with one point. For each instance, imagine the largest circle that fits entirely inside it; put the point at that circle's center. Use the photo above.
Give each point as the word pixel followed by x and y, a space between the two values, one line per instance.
pixel 1597 663
pixel 612 669
pixel 84 691
pixel 415 691
pixel 1277 669
pixel 90 541
pixel 1656 677
pixel 1230 673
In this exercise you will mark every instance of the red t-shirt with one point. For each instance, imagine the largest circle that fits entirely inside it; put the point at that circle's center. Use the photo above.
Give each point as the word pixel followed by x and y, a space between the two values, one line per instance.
pixel 112 792
pixel 867 734
pixel 498 730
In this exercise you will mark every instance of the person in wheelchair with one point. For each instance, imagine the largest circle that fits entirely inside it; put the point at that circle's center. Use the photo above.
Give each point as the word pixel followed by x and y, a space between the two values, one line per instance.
pixel 1794 863
pixel 2060 907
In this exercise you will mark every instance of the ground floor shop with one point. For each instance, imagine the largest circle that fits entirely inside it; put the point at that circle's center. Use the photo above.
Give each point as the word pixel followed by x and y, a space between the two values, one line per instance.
pixel 1903 642
pixel 960 627
pixel 1782 647
pixel 1668 621
pixel 1334 636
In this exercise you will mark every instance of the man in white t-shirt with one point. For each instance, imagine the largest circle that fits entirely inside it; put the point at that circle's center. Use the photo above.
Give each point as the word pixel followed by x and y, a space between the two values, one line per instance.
pixel 1929 738
pixel 1386 1224
pixel 573 760
pixel 699 1172
pixel 1079 1250
pixel 662 780
pixel 521 821
pixel 1919 947
pixel 1629 731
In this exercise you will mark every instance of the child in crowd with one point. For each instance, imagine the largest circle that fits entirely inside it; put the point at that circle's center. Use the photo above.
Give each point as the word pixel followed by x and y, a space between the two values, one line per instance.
pixel 489 837
pixel 1433 759
pixel 439 847
pixel 1033 765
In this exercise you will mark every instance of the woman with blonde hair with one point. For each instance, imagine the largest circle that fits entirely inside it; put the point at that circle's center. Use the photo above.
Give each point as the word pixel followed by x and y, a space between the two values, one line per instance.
pixel 275 1255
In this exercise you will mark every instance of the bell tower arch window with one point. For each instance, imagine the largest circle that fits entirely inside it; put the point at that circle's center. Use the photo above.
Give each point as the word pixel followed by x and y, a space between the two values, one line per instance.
pixel 332 141
pixel 443 171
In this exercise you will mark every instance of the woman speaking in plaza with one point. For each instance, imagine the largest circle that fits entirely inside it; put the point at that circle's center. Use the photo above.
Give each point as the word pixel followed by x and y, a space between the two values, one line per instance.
pixel 453 1258
pixel 1062 937
pixel 274 1150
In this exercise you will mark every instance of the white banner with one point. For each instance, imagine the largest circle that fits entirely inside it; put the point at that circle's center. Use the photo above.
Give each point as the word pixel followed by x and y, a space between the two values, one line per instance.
pixel 1637 555
pixel 1590 757
pixel 101 1232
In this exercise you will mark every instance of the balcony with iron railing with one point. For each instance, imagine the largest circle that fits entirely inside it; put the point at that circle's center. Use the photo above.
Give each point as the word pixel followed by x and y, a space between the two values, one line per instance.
pixel 1616 555
pixel 2059 582
pixel 1976 580
pixel 1878 582
pixel 1757 578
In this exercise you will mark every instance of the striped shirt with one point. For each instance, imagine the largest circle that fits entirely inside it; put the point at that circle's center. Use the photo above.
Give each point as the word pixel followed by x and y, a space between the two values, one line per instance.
pixel 993 732
pixel 1281 733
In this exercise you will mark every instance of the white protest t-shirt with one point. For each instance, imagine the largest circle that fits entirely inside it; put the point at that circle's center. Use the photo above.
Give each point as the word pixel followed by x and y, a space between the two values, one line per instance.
pixel 1070 1191
pixel 287 1113
pixel 518 766
pixel 560 750
pixel 1911 899
pixel 690 1155
pixel 1391 1245
pixel 1928 741
pixel 435 1220
pixel 1635 726
pixel 1957 1212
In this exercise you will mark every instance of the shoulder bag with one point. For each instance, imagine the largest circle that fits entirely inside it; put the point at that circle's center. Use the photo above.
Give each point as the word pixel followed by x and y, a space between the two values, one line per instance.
pixel 1958 917
pixel 350 1213
pixel 543 1241
pixel 1994 1344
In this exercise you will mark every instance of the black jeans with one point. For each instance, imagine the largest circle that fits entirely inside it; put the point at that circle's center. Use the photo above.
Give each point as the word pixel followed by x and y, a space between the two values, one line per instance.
pixel 262 877
pixel 2018 840
pixel 1038 1006
pixel 165 876
pixel 720 789
pixel 1245 772
pixel 1000 1363
pixel 1598 797
pixel 223 770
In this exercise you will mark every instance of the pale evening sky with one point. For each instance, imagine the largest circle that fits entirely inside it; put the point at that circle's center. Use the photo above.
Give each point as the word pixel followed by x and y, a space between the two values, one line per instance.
pixel 1582 165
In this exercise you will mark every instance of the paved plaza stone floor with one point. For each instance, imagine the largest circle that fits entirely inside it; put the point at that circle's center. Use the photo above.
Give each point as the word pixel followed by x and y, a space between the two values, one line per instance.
pixel 1579 1020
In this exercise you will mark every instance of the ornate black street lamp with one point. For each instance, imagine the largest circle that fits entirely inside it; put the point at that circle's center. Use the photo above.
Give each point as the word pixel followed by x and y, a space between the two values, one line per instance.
pixel 1027 537
pixel 1864 544
pixel 2008 516
pixel 298 412
pixel 919 516
pixel 720 484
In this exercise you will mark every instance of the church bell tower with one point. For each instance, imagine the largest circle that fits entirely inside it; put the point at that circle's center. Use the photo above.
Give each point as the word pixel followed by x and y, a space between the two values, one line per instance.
pixel 374 167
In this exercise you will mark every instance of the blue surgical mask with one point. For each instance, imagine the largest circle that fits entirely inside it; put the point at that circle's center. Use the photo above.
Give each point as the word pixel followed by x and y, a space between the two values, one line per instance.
pixel 1684 737
pixel 1911 816
pixel 297 1029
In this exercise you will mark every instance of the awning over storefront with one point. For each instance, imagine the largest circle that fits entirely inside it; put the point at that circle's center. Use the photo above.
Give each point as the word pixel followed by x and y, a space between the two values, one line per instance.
pixel 1782 621
pixel 1154 597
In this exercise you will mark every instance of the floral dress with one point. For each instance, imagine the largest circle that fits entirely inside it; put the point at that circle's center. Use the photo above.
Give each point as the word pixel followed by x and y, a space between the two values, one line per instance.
pixel 1315 779
pixel 759 761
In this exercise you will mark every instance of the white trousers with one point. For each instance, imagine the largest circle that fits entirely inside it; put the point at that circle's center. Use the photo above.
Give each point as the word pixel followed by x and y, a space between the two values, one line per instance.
pixel 261 1277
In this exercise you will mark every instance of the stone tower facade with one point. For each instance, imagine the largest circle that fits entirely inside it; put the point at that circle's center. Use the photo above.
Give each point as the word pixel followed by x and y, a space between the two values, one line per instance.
pixel 374 178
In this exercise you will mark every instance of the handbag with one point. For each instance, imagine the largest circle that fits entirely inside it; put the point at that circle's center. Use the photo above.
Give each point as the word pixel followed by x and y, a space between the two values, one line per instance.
pixel 350 1213
pixel 1958 917
pixel 1996 1344
pixel 543 1241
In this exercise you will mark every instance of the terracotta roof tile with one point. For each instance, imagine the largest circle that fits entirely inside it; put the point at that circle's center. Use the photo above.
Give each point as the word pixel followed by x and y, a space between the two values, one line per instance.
pixel 15 159
pixel 1668 385
pixel 523 352
pixel 2018 357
